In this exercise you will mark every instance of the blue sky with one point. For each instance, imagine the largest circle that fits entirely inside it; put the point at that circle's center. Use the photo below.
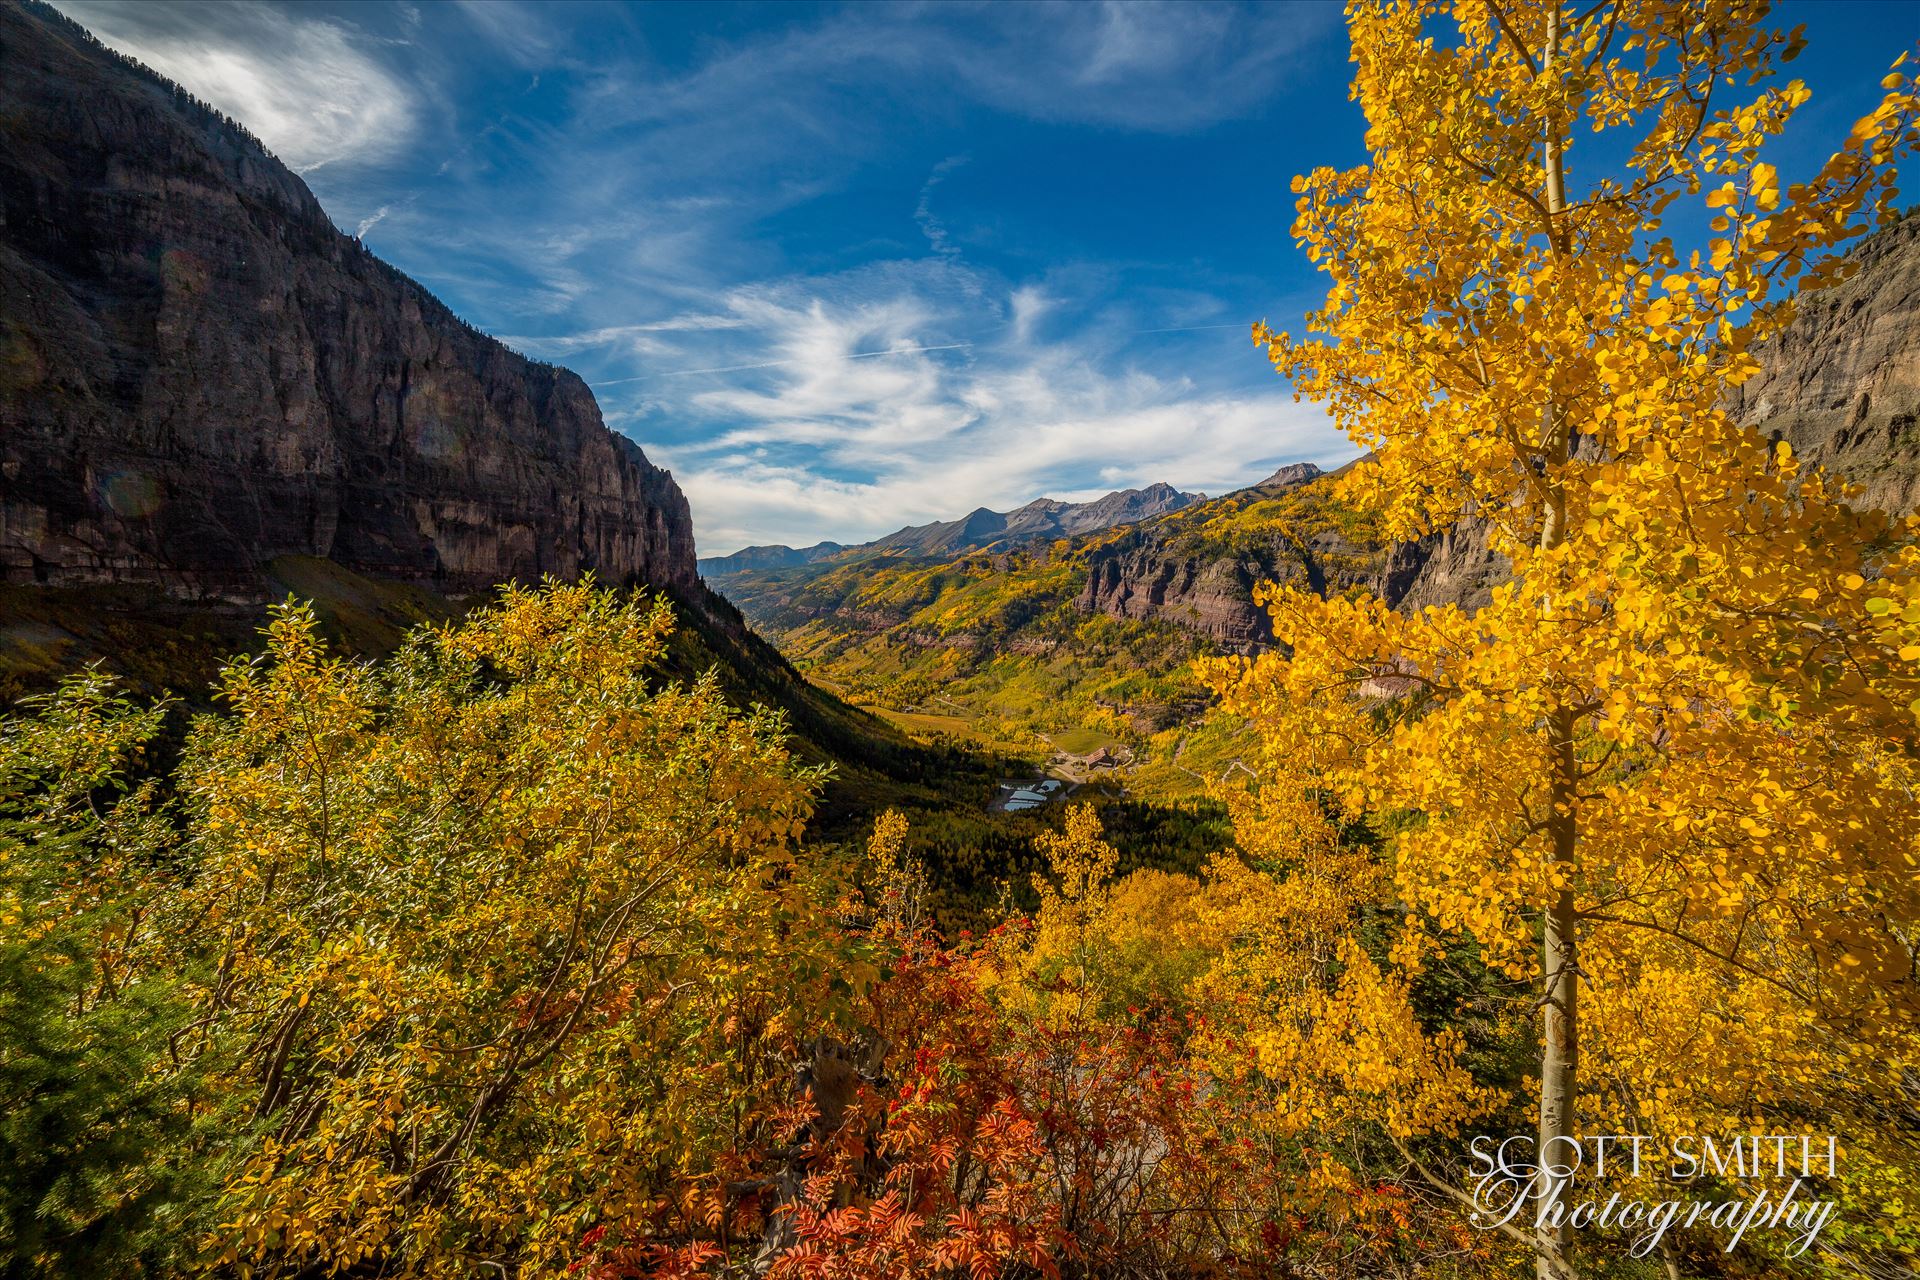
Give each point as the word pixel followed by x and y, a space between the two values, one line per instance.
pixel 845 268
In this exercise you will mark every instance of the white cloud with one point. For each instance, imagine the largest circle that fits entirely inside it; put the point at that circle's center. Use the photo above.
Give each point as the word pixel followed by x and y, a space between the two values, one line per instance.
pixel 305 86
pixel 826 441
pixel 1027 303
pixel 1212 444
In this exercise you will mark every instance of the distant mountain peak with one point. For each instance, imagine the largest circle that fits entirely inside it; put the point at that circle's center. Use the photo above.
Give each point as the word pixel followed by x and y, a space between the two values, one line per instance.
pixel 982 523
pixel 1040 520
pixel 1290 476
pixel 773 556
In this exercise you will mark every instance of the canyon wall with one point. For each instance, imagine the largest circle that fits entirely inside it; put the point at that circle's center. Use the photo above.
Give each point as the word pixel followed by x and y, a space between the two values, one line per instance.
pixel 199 372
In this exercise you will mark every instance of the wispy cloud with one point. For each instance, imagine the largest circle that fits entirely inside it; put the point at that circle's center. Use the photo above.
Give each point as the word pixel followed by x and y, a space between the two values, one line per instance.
pixel 1167 67
pixel 1028 303
pixel 517 31
pixel 1161 65
pixel 827 439
pixel 307 86
pixel 644 339
pixel 930 226
pixel 774 364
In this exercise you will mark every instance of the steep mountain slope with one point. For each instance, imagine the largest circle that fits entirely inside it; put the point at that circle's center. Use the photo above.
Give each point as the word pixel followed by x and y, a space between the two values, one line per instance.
pixel 200 374
pixel 1043 519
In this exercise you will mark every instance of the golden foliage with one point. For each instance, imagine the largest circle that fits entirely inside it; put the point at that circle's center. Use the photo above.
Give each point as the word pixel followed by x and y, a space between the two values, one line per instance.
pixel 490 943
pixel 1668 772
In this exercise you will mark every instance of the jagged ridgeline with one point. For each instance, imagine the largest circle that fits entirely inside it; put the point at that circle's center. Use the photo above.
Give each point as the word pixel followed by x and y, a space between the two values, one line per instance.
pixel 1026 637
pixel 1042 518
pixel 1030 640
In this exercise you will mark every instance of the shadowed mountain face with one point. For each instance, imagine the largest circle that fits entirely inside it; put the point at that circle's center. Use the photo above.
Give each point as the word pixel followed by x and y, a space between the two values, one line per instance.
pixel 199 373
pixel 1040 520
pixel 776 556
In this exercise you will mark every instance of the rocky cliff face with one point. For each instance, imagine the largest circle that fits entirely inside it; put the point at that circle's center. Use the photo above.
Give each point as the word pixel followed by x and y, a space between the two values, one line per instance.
pixel 1211 597
pixel 199 373
pixel 1214 596
pixel 1842 383
pixel 1201 574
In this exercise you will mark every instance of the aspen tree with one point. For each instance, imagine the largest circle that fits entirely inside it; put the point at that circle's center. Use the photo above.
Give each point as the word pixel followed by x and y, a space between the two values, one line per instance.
pixel 1680 739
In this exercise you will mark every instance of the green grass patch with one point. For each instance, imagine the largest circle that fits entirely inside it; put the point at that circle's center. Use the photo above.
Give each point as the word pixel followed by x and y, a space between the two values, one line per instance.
pixel 1081 742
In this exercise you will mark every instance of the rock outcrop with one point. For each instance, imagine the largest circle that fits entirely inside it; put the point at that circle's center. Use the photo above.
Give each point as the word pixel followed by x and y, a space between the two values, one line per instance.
pixel 1842 383
pixel 1150 575
pixel 1213 597
pixel 1290 476
pixel 200 373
